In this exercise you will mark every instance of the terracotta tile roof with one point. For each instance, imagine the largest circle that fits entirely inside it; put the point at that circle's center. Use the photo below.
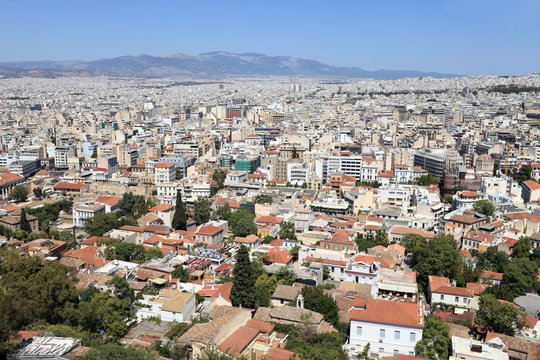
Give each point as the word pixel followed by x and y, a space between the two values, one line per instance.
pixel 480 236
pixel 437 281
pixel 390 312
pixel 533 185
pixel 279 256
pixel 250 239
pixel 164 165
pixel 476 288
pixel 402 230
pixel 262 326
pixel 491 275
pixel 9 178
pixel 68 186
pixel 108 200
pixel 209 230
pixel 161 208
pixel 269 220
pixel 280 354
pixel 453 290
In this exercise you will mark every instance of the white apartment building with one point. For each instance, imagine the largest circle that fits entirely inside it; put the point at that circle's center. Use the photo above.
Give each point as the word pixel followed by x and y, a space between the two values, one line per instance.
pixel 362 269
pixel 389 327
pixel 165 173
pixel 85 211
pixel 298 173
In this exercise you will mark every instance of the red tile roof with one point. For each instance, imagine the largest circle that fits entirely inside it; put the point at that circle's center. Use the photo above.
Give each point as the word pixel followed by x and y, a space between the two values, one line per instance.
pixel 161 208
pixel 533 185
pixel 209 230
pixel 68 186
pixel 390 312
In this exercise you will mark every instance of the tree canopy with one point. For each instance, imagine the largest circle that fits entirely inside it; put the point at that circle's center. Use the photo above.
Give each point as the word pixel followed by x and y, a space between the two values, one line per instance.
pixel 485 207
pixel 202 210
pixel 494 315
pixel 243 290
pixel 435 342
pixel 179 221
pixel 19 193
pixel 426 180
pixel 242 222
pixel 287 231
pixel 316 300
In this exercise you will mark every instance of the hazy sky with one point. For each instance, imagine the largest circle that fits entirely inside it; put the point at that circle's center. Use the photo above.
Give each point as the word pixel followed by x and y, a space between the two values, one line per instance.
pixel 455 36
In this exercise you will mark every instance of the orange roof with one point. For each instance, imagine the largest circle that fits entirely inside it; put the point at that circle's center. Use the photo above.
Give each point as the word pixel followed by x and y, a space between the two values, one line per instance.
pixel 453 290
pixel 390 312
pixel 269 219
pixel 470 194
pixel 164 165
pixel 491 275
pixel 161 208
pixel 280 354
pixel 108 200
pixel 279 256
pixel 436 282
pixel 8 178
pixel 68 186
pixel 209 230
pixel 476 288
pixel 480 236
pixel 250 239
pixel 533 185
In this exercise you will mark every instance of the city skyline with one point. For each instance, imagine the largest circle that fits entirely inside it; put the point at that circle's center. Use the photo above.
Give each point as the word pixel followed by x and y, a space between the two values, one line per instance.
pixel 449 37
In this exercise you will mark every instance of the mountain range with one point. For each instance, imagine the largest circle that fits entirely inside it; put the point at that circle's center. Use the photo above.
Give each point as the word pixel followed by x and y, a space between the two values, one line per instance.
pixel 209 65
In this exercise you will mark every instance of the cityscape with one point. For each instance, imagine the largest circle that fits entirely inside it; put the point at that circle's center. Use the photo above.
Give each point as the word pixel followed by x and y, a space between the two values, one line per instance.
pixel 262 202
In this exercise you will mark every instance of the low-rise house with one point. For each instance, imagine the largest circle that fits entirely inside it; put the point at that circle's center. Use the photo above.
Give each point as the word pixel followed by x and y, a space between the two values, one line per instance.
pixel 83 212
pixel 285 294
pixel 389 327
pixel 110 202
pixel 209 234
pixel 13 221
pixel 476 240
pixel 169 305
pixel 165 212
pixel 362 269
pixel 340 241
pixel 491 277
pixel 530 191
pixel 469 349
pixel 441 291
pixel 251 241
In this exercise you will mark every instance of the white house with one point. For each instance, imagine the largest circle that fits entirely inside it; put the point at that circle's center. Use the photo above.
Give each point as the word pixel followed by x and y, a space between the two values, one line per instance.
pixel 85 211
pixel 389 327
pixel 169 305
pixel 362 269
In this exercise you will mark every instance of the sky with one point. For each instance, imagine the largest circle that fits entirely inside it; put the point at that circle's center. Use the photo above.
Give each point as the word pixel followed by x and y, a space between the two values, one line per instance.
pixel 468 37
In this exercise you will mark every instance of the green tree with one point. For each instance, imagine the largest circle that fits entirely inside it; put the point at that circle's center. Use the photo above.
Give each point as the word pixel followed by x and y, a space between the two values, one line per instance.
pixel 121 288
pixel 100 224
pixel 518 276
pixel 25 225
pixel 242 222
pixel 499 317
pixel 19 194
pixel 181 274
pixel 243 290
pixel 427 180
pixel 179 221
pixel 219 177
pixel 286 275
pixel 287 231
pixel 38 192
pixel 522 249
pixel 126 252
pixel 316 300
pixel 524 173
pixel 435 342
pixel 224 212
pixel 265 285
pixel 493 260
pixel 154 252
pixel 202 210
pixel 294 252
pixel 485 207
pixel 535 256
pixel 438 256
pixel 364 243
pixel 381 237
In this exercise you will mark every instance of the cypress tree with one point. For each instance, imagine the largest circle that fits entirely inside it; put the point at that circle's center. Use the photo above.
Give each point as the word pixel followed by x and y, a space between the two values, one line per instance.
pixel 243 290
pixel 25 225
pixel 179 220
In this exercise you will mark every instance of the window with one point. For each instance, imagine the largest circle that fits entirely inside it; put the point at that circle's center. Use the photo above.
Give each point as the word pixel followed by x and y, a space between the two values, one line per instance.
pixel 464 300
pixel 396 351
pixel 411 353
pixel 381 350
pixel 382 333
pixel 457 298
pixel 327 246
pixel 336 247
pixel 442 297
pixel 412 336
pixel 359 330
pixel 397 335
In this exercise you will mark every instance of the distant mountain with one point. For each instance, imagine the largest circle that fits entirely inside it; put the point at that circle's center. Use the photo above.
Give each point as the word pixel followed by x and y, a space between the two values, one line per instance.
pixel 216 65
